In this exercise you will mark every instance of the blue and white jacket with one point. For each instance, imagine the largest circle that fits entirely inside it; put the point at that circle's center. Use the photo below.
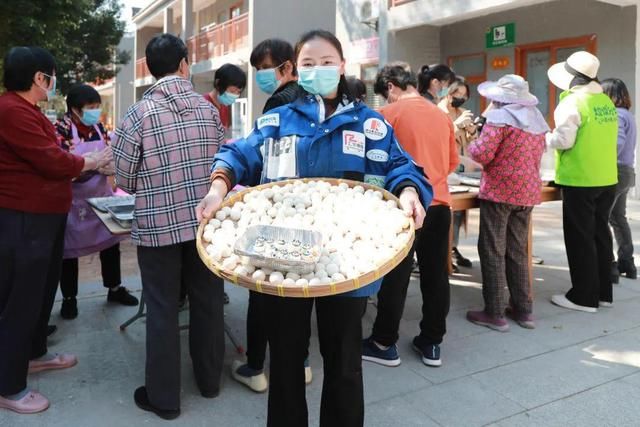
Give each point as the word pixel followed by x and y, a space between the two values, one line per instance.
pixel 298 141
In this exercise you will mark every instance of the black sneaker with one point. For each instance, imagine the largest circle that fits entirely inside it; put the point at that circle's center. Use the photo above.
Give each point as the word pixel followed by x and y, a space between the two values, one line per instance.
pixel 69 309
pixel 627 268
pixel 430 353
pixel 461 260
pixel 142 401
pixel 122 296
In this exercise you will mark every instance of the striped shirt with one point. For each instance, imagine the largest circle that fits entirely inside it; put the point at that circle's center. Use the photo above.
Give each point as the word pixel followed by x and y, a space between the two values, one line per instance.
pixel 163 152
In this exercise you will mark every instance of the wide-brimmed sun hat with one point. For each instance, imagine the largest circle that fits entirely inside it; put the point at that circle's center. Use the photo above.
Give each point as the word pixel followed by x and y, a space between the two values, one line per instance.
pixel 509 89
pixel 581 66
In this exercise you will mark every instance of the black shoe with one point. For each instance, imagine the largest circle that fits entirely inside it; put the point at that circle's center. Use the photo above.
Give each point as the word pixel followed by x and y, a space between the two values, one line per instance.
pixel 210 394
pixel 615 275
pixel 226 298
pixel 122 296
pixel 142 401
pixel 628 268
pixel 51 329
pixel 460 260
pixel 69 308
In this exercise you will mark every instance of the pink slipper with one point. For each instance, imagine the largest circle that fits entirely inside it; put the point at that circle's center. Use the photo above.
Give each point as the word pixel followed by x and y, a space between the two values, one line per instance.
pixel 61 361
pixel 33 402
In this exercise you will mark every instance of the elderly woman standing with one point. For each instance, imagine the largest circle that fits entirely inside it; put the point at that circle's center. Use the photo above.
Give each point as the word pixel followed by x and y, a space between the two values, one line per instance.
pixel 509 149
pixel 35 196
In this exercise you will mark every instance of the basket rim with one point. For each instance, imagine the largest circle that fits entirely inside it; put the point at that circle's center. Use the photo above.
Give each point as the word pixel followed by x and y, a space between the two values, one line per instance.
pixel 304 291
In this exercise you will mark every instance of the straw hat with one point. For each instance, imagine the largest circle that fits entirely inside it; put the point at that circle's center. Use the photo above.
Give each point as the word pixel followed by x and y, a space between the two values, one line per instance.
pixel 579 65
pixel 509 89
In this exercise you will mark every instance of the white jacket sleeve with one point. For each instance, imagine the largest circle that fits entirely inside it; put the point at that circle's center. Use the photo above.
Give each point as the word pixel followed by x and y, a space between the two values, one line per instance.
pixel 567 118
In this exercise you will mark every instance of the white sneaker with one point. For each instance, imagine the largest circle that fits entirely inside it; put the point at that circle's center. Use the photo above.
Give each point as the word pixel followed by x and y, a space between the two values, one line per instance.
pixel 562 301
pixel 308 375
pixel 605 304
pixel 257 383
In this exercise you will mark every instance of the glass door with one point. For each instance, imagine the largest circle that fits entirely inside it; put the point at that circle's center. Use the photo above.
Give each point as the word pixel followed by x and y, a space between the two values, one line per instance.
pixel 533 61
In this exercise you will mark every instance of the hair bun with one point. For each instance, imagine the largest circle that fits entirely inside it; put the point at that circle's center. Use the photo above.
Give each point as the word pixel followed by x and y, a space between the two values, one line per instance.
pixel 424 69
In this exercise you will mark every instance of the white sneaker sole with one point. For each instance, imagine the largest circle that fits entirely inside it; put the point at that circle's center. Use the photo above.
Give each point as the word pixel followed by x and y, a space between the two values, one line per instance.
pixel 383 362
pixel 257 383
pixel 428 362
pixel 562 301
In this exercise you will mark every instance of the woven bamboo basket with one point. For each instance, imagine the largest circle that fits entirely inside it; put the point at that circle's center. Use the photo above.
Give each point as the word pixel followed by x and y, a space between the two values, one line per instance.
pixel 304 291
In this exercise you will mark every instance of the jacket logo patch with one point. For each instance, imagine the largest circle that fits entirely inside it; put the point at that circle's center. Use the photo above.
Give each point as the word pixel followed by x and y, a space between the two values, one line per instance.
pixel 377 155
pixel 375 129
pixel 269 120
pixel 375 180
pixel 353 143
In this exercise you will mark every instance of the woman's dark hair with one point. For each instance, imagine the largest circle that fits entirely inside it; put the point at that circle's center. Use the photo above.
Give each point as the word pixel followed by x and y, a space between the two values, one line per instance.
pixel 429 72
pixel 397 73
pixel 81 95
pixel 278 50
pixel 618 92
pixel 456 84
pixel 164 54
pixel 357 88
pixel 343 87
pixel 21 65
pixel 229 75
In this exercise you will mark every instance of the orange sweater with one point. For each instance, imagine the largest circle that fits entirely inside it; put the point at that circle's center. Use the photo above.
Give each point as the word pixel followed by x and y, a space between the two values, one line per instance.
pixel 427 134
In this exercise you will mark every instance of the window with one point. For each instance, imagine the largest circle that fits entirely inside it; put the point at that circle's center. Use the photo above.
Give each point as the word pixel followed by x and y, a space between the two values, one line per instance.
pixel 474 70
pixel 235 11
pixel 533 61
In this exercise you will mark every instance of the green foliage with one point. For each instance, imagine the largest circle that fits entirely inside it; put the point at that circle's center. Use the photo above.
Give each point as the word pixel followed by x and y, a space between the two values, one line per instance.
pixel 81 34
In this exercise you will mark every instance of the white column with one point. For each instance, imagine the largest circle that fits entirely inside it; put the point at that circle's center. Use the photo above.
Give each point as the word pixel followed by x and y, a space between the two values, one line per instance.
pixel 187 19
pixel 168 20
pixel 383 33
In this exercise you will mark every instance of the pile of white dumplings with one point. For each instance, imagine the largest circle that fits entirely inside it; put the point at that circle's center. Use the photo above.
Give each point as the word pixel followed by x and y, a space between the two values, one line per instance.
pixel 360 230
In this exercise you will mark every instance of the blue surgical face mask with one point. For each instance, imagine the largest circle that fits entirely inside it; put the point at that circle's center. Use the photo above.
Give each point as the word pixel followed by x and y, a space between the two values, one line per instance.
pixel 443 92
pixel 51 93
pixel 91 116
pixel 319 80
pixel 267 80
pixel 227 98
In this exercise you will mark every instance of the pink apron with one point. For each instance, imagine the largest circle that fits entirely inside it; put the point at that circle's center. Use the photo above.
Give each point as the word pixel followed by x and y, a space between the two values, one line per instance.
pixel 85 233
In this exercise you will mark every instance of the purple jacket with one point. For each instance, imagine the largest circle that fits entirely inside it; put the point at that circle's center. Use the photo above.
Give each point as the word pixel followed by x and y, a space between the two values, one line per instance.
pixel 627 135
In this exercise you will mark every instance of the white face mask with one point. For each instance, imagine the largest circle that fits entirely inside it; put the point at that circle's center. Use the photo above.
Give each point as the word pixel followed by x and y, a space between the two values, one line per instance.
pixel 51 93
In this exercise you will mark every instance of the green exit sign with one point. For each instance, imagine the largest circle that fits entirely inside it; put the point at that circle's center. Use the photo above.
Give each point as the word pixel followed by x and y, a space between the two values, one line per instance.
pixel 501 35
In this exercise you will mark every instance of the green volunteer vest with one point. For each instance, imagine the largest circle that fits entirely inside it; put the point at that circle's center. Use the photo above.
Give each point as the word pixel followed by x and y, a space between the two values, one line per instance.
pixel 592 161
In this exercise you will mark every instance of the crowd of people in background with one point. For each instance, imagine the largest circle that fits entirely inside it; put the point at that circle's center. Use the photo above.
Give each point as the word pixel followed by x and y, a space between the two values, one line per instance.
pixel 171 152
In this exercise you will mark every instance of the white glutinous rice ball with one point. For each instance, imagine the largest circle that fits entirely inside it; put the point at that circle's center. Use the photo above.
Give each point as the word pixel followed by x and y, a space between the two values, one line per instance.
pixel 315 281
pixel 321 274
pixel 268 193
pixel 338 277
pixel 326 280
pixel 236 214
pixel 267 271
pixel 221 215
pixel 378 195
pixel 241 270
pixel 309 276
pixel 332 269
pixel 226 210
pixel 259 275
pixel 230 263
pixel 272 212
pixel 324 259
pixel 276 277
pixel 227 224
pixel 288 282
pixel 250 268
pixel 302 282
pixel 292 275
pixel 208 235
pixel 358 189
pixel 215 223
pixel 226 251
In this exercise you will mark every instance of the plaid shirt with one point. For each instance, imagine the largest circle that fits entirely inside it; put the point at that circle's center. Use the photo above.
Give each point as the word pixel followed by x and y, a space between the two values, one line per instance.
pixel 163 152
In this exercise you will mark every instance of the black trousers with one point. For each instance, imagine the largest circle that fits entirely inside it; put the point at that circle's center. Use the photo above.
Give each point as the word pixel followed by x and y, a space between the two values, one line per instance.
pixel 163 269
pixel 432 248
pixel 340 337
pixel 256 331
pixel 587 238
pixel 109 266
pixel 31 248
